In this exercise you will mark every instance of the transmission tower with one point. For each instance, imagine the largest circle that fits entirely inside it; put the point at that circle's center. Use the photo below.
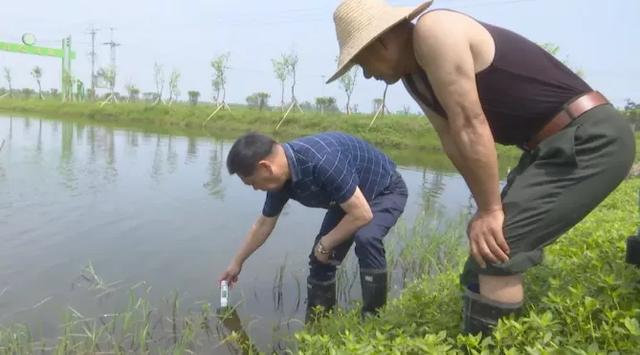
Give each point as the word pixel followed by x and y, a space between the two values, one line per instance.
pixel 112 49
pixel 112 46
pixel 92 31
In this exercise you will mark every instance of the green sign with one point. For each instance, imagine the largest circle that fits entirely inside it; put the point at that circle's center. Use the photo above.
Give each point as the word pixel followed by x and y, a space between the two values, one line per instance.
pixel 64 52
pixel 36 50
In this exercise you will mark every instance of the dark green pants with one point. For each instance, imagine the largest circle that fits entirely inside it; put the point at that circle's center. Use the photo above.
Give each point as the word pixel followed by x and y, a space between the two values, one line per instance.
pixel 557 184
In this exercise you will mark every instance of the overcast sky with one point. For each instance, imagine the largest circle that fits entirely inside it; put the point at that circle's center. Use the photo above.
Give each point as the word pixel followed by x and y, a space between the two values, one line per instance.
pixel 602 38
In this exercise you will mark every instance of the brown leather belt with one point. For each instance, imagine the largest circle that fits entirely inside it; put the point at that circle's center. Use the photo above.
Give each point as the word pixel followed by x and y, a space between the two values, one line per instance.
pixel 570 111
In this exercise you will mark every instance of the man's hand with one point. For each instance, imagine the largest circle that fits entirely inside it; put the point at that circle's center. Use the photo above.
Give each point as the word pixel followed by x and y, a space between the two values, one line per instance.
pixel 259 232
pixel 231 274
pixel 486 237
pixel 357 214
pixel 321 257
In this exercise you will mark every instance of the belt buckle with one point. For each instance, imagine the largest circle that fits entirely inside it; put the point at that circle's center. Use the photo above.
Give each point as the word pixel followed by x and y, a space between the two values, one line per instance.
pixel 567 110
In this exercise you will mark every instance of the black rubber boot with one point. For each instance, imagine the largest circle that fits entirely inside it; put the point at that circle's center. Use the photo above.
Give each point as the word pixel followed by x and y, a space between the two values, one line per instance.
pixel 481 315
pixel 319 294
pixel 633 250
pixel 374 291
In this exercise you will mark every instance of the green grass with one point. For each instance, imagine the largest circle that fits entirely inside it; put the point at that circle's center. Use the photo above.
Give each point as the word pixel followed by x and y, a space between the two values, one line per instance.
pixel 583 300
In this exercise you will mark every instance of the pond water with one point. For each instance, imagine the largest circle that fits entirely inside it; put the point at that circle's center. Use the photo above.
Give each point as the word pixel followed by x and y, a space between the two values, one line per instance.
pixel 157 208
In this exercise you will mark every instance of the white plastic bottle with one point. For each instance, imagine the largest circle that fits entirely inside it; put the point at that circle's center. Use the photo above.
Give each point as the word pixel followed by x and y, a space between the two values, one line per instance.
pixel 224 293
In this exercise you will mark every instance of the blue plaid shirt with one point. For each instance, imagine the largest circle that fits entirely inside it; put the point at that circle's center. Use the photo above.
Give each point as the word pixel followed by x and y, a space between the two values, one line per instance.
pixel 325 170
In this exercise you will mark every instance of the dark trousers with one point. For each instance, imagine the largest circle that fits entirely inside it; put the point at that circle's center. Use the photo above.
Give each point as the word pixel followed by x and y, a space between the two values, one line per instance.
pixel 557 184
pixel 387 208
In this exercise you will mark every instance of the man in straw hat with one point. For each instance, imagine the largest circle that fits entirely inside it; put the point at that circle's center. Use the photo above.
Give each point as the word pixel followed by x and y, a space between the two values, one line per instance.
pixel 480 84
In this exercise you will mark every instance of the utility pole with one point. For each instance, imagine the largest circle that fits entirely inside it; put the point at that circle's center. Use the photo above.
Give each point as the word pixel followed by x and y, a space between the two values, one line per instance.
pixel 92 54
pixel 112 46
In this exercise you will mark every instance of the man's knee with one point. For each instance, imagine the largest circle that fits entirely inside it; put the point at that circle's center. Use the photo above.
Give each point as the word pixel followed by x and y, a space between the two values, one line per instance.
pixel 506 289
pixel 366 239
pixel 368 244
pixel 498 276
pixel 370 252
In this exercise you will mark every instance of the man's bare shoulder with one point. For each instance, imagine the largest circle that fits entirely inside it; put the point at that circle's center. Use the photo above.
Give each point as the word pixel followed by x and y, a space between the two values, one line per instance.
pixel 440 32
pixel 453 32
pixel 442 22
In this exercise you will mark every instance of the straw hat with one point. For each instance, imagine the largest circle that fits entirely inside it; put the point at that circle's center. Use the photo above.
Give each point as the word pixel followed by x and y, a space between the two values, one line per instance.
pixel 360 22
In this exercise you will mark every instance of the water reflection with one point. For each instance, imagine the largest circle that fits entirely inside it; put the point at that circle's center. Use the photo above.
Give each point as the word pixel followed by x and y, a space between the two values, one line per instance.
pixel 214 183
pixel 432 188
pixel 158 160
pixel 231 326
pixel 80 128
pixel 172 156
pixel 39 144
pixel 99 154
pixel 192 150
pixel 66 166
pixel 110 172
pixel 5 146
pixel 132 139
pixel 54 128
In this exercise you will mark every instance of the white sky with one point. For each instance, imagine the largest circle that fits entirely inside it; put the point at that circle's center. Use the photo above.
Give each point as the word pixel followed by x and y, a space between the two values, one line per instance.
pixel 600 37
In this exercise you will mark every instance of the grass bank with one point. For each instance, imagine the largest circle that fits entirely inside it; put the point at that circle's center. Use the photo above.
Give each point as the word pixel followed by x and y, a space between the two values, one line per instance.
pixel 583 300
pixel 409 139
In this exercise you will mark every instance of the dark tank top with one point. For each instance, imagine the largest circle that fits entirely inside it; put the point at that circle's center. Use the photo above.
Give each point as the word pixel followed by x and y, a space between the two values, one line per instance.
pixel 522 88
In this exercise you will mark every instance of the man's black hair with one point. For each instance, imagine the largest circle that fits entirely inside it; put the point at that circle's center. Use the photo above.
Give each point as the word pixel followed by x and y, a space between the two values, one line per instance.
pixel 247 151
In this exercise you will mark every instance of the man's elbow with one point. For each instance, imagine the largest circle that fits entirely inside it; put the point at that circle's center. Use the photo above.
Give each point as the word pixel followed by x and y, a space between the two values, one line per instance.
pixel 468 119
pixel 365 217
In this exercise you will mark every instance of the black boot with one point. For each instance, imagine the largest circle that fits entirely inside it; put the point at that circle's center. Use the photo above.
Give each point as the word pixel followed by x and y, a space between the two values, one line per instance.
pixel 633 250
pixel 374 290
pixel 319 294
pixel 481 315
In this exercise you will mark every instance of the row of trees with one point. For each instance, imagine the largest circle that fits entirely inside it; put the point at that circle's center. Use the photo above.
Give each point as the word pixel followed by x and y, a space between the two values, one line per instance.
pixel 260 101
pixel 284 68
pixel 36 73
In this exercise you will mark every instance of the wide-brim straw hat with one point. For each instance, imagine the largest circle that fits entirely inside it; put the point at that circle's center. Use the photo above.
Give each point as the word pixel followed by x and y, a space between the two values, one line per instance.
pixel 360 22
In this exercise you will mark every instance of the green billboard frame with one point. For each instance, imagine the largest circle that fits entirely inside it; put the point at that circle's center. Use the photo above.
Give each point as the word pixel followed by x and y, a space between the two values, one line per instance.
pixel 64 53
